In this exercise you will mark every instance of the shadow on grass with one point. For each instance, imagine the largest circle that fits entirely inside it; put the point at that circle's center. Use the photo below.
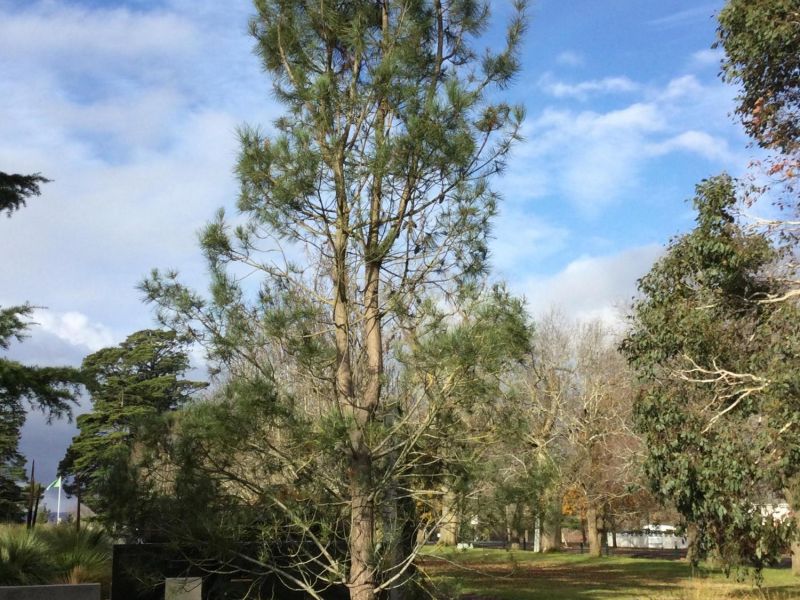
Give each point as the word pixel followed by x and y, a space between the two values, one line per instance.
pixel 517 576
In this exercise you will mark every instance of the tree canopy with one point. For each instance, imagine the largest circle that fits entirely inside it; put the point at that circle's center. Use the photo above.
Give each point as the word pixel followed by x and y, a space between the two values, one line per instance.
pixel 720 398
pixel 760 40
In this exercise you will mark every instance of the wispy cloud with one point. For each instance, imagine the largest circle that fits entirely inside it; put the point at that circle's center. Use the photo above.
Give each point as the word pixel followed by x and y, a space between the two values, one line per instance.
pixel 519 235
pixel 697 142
pixel 707 57
pixel 682 17
pixel 594 159
pixel 74 328
pixel 569 58
pixel 584 89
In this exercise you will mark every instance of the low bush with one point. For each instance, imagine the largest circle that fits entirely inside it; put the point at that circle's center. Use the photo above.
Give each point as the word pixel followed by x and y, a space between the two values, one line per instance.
pixel 54 554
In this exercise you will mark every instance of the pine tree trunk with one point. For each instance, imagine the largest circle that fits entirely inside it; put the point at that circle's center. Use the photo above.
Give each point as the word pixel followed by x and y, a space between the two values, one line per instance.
pixel 362 534
pixel 362 522
pixel 361 580
pixel 595 548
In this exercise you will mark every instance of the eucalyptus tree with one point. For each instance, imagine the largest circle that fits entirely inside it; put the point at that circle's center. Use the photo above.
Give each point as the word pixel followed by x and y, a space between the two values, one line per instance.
pixel 364 211
pixel 715 331
pixel 719 404
pixel 760 40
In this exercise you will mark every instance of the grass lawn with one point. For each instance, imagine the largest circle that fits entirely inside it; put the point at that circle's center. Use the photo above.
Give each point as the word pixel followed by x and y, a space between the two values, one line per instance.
pixel 499 575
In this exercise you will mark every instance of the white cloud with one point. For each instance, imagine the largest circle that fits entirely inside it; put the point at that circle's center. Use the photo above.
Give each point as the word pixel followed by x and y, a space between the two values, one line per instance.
pixel 685 86
pixel 592 287
pixel 582 90
pixel 707 57
pixel 134 120
pixel 74 328
pixel 59 32
pixel 589 157
pixel 594 159
pixel 570 58
pixel 697 142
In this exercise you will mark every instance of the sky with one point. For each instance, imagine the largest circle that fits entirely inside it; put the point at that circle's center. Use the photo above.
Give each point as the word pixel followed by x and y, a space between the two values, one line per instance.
pixel 131 109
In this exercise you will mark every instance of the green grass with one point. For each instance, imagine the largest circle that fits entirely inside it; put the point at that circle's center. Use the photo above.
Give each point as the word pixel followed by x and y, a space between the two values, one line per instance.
pixel 500 575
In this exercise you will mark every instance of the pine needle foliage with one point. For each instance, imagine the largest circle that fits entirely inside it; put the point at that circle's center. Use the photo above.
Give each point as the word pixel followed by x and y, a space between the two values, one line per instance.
pixel 366 210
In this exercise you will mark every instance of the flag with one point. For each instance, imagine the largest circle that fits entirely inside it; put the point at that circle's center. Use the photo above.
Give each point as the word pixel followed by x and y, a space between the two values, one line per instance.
pixel 55 484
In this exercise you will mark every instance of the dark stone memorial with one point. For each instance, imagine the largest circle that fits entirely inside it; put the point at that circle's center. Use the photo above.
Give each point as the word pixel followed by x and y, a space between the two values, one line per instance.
pixel 83 591
pixel 161 572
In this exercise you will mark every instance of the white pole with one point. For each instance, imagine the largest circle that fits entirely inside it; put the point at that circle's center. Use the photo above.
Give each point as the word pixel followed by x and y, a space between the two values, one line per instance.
pixel 58 509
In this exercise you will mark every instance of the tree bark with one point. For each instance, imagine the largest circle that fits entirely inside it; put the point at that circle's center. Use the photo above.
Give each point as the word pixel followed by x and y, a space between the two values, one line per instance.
pixel 450 521
pixel 583 532
pixel 362 527
pixel 362 540
pixel 794 546
pixel 512 527
pixel 595 547
pixel 361 579
pixel 691 544
pixel 795 549
pixel 551 527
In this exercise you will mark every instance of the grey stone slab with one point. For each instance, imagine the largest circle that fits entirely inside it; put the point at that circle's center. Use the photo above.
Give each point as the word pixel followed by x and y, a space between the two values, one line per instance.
pixel 82 591
pixel 183 588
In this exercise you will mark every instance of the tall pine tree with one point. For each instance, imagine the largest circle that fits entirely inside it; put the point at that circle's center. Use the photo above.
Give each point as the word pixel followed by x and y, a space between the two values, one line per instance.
pixel 378 175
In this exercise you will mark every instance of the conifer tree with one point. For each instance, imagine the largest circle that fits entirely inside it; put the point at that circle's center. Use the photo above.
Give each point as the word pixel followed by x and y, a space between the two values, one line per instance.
pixel 16 189
pixel 49 389
pixel 132 387
pixel 377 182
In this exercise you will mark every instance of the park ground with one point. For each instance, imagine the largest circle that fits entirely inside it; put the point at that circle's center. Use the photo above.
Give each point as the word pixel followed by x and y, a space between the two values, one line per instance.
pixel 483 574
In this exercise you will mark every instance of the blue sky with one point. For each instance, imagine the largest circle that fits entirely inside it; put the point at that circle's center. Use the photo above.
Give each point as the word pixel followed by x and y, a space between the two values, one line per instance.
pixel 131 108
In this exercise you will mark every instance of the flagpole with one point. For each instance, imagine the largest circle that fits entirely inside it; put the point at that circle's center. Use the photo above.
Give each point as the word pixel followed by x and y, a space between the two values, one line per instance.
pixel 58 505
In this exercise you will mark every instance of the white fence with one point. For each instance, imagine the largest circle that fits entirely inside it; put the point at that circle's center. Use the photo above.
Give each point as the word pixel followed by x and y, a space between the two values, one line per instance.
pixel 656 537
